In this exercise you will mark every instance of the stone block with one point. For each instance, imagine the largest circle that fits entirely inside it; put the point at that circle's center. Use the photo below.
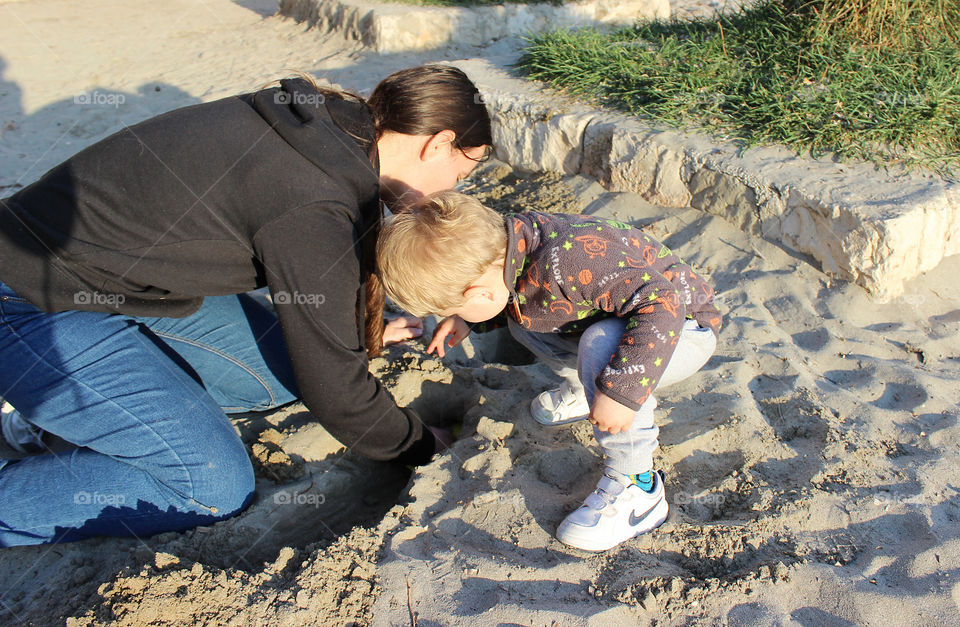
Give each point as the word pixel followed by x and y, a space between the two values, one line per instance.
pixel 726 196
pixel 391 27
pixel 533 135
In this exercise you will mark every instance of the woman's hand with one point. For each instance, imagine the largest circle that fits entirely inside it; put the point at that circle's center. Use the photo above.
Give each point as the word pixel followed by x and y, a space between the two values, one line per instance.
pixel 609 415
pixel 402 329
pixel 454 327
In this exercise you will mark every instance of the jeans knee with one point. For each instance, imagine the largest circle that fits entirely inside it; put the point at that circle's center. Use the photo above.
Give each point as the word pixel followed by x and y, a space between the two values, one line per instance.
pixel 228 482
pixel 241 491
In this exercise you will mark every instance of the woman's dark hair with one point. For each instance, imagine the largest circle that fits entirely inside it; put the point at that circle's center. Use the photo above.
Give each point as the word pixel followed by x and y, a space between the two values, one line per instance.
pixel 428 99
pixel 421 100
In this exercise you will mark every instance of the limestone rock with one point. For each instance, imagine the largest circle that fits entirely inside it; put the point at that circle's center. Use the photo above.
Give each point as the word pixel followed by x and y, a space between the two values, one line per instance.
pixel 494 429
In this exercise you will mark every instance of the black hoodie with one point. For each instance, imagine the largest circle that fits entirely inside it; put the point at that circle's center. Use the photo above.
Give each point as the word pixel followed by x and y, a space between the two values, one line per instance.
pixel 272 188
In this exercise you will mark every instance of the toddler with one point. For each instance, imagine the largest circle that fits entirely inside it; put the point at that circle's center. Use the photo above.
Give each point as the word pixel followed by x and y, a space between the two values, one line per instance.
pixel 616 314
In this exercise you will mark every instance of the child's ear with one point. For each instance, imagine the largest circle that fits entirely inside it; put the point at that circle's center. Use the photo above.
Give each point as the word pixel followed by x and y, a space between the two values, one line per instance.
pixel 478 293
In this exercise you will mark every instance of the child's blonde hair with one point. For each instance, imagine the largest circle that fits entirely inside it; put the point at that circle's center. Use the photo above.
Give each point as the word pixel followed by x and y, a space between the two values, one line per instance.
pixel 430 254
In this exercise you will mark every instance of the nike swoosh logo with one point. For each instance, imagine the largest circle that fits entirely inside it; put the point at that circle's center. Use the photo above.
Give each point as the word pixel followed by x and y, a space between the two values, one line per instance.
pixel 635 520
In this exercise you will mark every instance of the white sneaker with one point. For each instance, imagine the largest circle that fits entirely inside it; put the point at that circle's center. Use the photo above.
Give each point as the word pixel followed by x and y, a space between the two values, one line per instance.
pixel 615 512
pixel 19 434
pixel 560 406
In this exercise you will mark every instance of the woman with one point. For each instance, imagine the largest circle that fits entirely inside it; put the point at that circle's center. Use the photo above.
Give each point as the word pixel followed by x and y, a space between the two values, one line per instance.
pixel 124 327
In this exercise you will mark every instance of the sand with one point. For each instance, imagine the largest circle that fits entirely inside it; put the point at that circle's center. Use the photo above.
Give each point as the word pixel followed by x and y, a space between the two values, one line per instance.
pixel 810 466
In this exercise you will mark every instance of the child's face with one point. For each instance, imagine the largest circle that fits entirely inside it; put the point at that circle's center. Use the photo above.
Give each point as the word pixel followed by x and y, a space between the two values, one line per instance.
pixel 485 298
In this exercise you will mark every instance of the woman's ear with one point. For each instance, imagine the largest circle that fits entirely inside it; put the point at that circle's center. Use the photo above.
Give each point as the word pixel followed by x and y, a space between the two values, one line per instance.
pixel 438 144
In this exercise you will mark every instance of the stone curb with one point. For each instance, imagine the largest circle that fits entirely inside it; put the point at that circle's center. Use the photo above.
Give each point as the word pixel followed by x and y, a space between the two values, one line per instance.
pixel 390 27
pixel 876 229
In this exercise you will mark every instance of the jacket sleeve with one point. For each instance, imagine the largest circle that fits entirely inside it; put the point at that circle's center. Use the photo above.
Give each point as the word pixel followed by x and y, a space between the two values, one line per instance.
pixel 312 266
pixel 655 315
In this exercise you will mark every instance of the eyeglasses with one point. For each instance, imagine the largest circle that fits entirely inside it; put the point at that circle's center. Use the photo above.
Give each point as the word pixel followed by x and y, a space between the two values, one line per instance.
pixel 487 153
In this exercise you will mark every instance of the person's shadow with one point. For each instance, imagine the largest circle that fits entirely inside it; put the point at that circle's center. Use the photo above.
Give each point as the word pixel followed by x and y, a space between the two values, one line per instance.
pixel 265 8
pixel 11 118
pixel 32 143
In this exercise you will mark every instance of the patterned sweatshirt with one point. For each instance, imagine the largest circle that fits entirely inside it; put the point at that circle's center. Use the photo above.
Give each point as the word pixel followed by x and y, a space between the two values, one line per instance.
pixel 566 272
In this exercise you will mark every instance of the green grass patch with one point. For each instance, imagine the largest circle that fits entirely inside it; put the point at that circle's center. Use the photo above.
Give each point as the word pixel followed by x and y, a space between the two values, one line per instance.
pixel 867 79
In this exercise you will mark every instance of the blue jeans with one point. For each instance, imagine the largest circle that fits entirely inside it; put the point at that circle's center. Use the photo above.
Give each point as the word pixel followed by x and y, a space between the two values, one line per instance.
pixel 580 361
pixel 144 401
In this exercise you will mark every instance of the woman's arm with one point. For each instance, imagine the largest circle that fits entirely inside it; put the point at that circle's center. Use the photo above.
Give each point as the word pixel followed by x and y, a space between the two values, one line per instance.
pixel 313 270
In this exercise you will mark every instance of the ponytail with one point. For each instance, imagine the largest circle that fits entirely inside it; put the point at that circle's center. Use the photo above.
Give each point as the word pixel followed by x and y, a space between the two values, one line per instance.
pixel 373 315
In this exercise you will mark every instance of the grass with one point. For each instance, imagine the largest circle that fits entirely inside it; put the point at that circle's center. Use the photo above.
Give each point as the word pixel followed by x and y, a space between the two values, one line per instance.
pixel 864 79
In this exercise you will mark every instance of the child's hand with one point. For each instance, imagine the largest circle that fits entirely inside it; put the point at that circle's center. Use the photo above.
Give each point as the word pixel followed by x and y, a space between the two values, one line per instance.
pixel 453 326
pixel 609 415
pixel 402 328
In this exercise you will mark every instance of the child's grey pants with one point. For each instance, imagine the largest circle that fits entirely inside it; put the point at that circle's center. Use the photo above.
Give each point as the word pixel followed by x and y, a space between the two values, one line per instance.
pixel 630 451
